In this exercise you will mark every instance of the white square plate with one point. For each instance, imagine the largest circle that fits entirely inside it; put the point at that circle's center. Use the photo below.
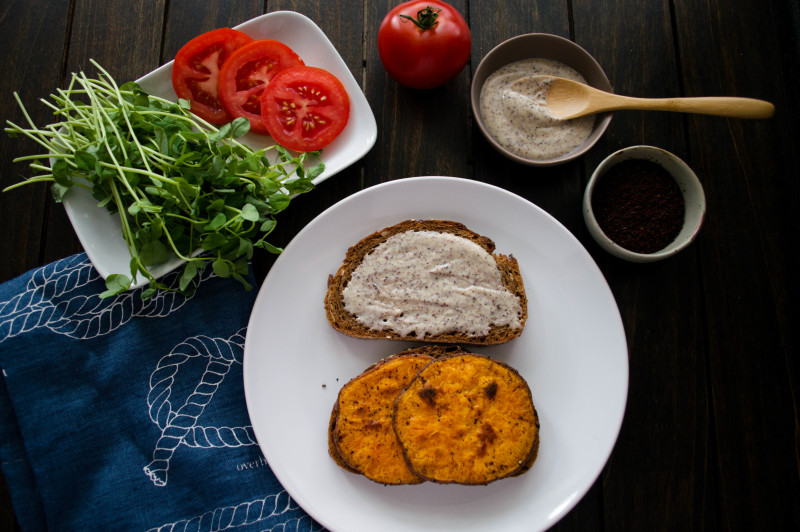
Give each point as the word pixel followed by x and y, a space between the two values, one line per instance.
pixel 100 233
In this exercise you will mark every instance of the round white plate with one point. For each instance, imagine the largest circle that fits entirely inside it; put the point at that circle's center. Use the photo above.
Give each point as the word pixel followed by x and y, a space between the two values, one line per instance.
pixel 572 353
pixel 100 232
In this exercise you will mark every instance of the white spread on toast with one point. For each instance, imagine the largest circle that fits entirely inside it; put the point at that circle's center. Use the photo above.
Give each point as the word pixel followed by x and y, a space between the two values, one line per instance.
pixel 428 283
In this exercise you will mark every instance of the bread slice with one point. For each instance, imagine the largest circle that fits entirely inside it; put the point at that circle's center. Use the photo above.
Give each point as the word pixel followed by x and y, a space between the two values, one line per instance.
pixel 361 436
pixel 344 321
pixel 467 419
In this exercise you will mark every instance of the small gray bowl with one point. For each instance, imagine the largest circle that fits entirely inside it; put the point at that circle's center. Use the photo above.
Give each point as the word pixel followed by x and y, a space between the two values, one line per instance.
pixel 546 46
pixel 693 196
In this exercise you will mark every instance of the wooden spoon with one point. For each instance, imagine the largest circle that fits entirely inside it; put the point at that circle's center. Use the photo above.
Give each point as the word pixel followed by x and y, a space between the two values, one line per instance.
pixel 569 99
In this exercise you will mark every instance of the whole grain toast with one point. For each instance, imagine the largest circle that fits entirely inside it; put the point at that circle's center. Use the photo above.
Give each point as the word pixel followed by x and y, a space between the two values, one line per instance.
pixel 345 322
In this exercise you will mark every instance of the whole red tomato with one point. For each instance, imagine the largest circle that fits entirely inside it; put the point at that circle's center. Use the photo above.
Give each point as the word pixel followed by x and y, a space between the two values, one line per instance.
pixel 424 44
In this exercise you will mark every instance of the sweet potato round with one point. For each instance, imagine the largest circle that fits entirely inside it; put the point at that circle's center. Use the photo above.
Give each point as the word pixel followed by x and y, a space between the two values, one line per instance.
pixel 467 419
pixel 361 432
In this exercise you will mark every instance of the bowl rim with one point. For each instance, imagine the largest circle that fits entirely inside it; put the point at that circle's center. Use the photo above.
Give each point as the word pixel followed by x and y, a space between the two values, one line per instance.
pixel 691 188
pixel 555 42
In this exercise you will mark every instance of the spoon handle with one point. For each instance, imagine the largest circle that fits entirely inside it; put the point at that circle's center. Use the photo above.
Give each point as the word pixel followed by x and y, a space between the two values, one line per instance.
pixel 709 105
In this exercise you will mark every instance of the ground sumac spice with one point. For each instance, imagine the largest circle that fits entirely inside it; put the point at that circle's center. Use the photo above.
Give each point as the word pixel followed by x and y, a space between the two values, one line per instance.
pixel 639 206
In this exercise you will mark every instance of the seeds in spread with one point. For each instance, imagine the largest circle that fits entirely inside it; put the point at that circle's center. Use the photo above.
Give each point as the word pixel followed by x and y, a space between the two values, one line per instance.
pixel 515 111
pixel 426 283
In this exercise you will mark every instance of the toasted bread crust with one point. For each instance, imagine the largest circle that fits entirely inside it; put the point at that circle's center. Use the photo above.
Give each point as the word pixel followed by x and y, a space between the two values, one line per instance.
pixel 467 419
pixel 346 323
pixel 361 436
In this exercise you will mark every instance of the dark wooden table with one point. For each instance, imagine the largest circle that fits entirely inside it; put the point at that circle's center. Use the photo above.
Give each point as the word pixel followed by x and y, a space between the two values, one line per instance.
pixel 710 436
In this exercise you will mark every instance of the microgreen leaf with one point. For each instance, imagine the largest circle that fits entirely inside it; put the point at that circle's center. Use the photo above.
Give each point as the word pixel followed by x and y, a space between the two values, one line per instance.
pixel 298 186
pixel 221 268
pixel 224 131
pixel 115 284
pixel 239 277
pixel 315 171
pixel 213 241
pixel 189 273
pixel 249 212
pixel 268 225
pixel 57 190
pixel 216 205
pixel 245 249
pixel 153 252
pixel 269 247
pixel 61 171
pixel 279 202
pixel 149 292
pixel 216 222
pixel 240 126
pixel 85 160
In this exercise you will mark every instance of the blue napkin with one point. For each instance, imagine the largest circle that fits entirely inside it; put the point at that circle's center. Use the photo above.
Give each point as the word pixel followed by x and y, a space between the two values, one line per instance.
pixel 123 414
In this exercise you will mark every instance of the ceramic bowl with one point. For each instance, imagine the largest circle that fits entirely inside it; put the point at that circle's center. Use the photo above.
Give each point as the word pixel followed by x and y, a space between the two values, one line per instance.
pixel 541 45
pixel 693 195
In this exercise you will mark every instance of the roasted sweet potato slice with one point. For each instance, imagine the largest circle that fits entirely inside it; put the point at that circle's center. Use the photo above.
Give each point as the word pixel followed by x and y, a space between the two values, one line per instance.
pixel 467 419
pixel 361 437
pixel 332 450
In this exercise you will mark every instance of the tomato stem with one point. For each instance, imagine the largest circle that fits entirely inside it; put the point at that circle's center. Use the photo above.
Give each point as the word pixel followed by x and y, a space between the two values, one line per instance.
pixel 426 18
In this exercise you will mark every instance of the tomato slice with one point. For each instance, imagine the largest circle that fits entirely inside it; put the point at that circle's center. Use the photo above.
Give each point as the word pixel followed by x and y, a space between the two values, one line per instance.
pixel 305 108
pixel 245 74
pixel 195 72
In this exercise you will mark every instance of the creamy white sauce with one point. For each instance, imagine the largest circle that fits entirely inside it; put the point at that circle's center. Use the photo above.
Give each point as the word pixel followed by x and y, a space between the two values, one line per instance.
pixel 523 124
pixel 427 283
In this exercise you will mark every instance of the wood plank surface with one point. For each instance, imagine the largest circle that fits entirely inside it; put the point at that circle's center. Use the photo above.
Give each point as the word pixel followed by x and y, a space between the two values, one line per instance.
pixel 660 302
pixel 27 37
pixel 750 189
